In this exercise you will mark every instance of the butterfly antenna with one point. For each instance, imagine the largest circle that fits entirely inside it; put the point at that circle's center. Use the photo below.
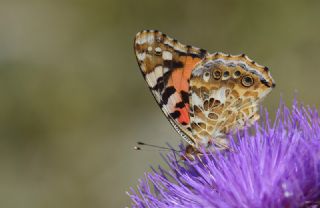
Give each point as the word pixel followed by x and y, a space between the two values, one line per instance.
pixel 154 146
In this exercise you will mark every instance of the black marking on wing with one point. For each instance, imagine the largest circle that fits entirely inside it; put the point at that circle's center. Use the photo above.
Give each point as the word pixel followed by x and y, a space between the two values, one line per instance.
pixel 172 64
pixel 263 81
pixel 180 105
pixel 161 81
pixel 203 53
pixel 185 97
pixel 166 94
pixel 175 114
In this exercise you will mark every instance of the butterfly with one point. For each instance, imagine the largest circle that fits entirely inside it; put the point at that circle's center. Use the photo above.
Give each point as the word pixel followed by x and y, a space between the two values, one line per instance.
pixel 204 95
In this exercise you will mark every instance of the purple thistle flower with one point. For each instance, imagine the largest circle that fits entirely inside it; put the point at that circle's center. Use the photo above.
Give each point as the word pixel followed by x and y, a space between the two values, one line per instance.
pixel 273 165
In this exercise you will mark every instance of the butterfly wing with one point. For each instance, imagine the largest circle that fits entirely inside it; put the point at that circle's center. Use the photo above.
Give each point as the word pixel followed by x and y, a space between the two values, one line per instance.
pixel 166 65
pixel 225 92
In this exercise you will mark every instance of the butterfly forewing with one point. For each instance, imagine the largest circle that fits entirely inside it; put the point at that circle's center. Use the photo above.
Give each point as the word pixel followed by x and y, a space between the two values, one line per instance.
pixel 166 65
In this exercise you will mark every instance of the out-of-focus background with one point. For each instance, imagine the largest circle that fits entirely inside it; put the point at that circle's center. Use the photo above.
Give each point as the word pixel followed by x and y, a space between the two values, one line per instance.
pixel 73 102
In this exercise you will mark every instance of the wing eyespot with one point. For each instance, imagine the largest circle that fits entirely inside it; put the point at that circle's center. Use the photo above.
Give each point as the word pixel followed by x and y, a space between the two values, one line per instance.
pixel 217 74
pixel 236 74
pixel 247 81
pixel 225 75
pixel 206 76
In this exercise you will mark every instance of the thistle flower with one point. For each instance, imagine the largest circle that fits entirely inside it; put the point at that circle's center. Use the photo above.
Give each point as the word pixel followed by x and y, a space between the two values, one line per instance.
pixel 274 165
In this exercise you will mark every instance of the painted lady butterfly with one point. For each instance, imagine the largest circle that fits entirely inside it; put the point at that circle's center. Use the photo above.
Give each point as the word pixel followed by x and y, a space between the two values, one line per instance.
pixel 203 95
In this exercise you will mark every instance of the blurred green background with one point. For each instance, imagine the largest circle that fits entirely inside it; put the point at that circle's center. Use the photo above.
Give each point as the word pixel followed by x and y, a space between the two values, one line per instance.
pixel 73 102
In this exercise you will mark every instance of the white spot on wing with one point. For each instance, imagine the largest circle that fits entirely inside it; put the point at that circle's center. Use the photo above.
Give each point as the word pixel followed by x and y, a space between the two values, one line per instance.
pixel 153 76
pixel 166 55
pixel 219 94
pixel 165 70
pixel 150 38
pixel 158 49
pixel 141 39
pixel 141 56
pixel 150 80
pixel 173 99
pixel 196 100
pixel 158 72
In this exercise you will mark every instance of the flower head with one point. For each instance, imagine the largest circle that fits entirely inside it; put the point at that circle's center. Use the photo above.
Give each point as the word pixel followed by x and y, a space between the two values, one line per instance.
pixel 270 165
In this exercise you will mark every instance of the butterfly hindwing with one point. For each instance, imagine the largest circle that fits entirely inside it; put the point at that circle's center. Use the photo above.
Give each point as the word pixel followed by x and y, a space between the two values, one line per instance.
pixel 225 92
pixel 167 65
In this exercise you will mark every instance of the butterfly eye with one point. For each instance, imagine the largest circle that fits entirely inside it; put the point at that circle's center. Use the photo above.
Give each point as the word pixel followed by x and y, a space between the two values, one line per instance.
pixel 217 74
pixel 236 74
pixel 247 81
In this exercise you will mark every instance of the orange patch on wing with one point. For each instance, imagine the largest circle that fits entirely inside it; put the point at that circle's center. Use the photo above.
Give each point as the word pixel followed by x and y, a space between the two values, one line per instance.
pixel 189 66
pixel 180 81
pixel 177 79
pixel 184 114
pixel 180 76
